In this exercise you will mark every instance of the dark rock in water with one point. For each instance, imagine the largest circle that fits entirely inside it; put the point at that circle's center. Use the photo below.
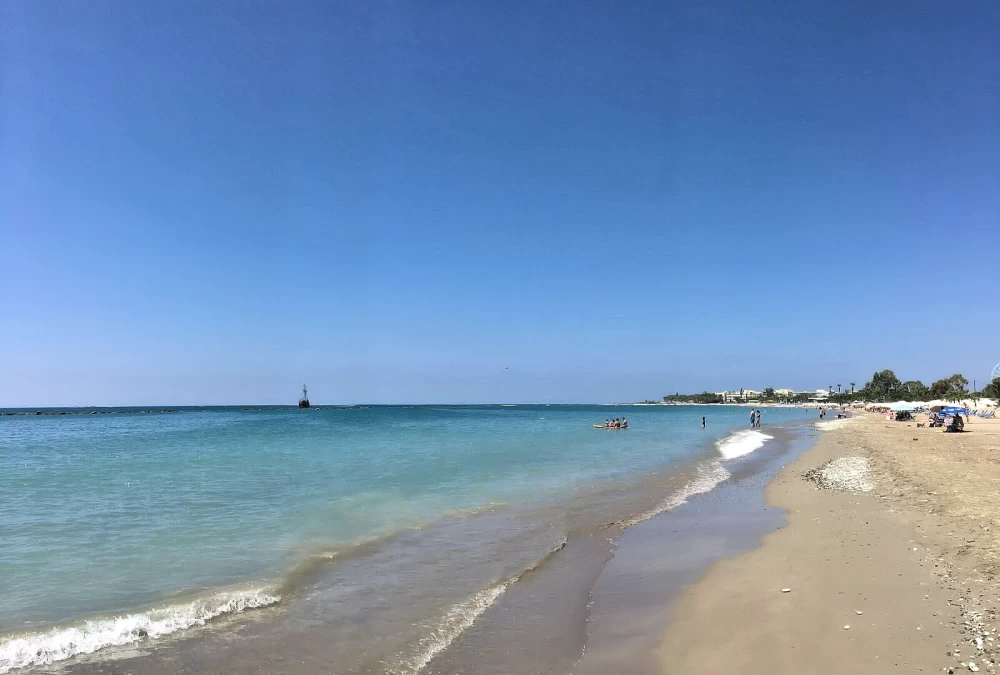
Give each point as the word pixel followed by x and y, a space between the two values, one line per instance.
pixel 142 633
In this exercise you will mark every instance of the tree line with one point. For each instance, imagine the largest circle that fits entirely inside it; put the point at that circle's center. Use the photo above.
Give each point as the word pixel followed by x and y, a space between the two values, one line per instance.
pixel 884 386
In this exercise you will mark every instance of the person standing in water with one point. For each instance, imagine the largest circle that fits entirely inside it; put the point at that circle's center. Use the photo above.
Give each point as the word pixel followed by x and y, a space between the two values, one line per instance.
pixel 753 418
pixel 758 419
pixel 702 421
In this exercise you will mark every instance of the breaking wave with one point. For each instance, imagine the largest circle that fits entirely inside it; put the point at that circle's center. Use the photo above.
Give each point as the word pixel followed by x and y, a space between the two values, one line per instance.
pixel 457 620
pixel 89 636
pixel 741 443
pixel 707 476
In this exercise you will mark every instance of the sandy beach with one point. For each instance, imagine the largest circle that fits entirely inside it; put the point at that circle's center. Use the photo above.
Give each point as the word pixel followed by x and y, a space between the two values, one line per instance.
pixel 887 562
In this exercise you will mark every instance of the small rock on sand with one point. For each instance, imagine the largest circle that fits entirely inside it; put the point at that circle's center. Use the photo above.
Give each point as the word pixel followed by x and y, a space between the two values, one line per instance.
pixel 858 612
pixel 847 627
pixel 786 590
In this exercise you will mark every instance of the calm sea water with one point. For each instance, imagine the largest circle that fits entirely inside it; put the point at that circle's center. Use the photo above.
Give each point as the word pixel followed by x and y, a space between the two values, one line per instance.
pixel 209 511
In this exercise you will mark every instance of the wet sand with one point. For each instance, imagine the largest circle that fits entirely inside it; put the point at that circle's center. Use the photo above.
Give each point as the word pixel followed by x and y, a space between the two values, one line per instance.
pixel 656 561
pixel 897 579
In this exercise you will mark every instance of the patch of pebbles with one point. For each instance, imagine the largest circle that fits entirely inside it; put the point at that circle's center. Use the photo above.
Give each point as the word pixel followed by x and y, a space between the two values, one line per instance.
pixel 848 474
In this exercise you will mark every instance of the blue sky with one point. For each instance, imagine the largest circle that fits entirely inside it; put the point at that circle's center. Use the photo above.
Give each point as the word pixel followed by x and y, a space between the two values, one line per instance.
pixel 214 202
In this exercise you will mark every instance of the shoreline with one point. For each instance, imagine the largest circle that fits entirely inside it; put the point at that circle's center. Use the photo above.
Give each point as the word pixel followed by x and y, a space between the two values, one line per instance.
pixel 459 621
pixel 654 563
pixel 878 563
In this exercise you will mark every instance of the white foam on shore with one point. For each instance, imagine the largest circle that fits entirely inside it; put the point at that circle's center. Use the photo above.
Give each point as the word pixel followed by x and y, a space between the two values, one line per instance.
pixel 455 621
pixel 58 644
pixel 741 443
pixel 458 619
pixel 707 477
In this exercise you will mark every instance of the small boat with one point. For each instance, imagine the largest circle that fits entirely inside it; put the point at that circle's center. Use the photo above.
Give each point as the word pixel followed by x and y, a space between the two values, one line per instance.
pixel 304 401
pixel 601 426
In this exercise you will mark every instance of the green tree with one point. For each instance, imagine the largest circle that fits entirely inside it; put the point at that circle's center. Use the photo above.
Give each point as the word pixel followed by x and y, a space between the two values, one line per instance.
pixel 852 389
pixel 769 394
pixel 959 387
pixel 950 388
pixel 884 386
pixel 915 390
pixel 703 397
pixel 992 390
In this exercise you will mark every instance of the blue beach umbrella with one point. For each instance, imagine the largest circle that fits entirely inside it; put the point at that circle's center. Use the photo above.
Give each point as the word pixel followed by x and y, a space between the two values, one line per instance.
pixel 952 410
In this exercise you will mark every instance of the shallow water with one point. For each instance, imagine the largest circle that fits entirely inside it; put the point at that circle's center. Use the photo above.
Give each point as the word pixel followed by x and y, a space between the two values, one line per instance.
pixel 385 532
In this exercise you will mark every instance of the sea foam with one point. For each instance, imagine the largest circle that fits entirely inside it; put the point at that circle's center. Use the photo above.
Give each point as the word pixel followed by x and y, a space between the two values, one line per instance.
pixel 741 443
pixel 448 627
pixel 707 476
pixel 58 644
pixel 459 617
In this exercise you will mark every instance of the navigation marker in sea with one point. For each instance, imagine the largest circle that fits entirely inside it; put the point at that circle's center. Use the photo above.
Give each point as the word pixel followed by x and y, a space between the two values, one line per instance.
pixel 304 401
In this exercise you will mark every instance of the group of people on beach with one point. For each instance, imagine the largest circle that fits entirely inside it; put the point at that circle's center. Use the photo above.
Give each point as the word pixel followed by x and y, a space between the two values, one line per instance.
pixel 616 423
pixel 755 419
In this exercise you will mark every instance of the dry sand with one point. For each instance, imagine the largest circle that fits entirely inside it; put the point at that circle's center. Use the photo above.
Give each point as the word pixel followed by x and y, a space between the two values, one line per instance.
pixel 898 578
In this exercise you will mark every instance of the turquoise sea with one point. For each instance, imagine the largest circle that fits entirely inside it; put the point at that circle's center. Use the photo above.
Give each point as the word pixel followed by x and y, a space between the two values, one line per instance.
pixel 119 527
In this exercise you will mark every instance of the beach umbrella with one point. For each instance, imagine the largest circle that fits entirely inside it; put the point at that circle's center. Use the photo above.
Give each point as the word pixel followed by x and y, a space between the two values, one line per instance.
pixel 903 407
pixel 952 410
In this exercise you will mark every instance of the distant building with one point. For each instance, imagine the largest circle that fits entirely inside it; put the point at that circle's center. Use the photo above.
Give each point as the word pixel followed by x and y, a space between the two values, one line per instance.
pixel 737 395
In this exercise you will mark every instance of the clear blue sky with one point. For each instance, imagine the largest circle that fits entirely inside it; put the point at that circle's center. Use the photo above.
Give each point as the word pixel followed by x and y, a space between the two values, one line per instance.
pixel 213 202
